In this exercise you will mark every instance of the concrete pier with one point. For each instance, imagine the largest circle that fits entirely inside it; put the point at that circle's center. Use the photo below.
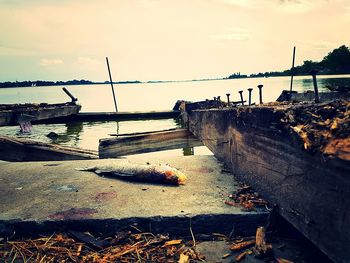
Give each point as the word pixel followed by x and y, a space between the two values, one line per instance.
pixel 47 196
pixel 259 144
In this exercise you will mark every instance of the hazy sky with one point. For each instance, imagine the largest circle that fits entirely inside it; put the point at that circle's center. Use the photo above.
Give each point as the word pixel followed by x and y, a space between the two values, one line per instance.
pixel 164 39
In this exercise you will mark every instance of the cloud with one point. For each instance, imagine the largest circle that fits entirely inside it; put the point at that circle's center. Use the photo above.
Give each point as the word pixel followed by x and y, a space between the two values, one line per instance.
pixel 86 60
pixel 320 45
pixel 13 51
pixel 246 3
pixel 297 6
pixel 281 5
pixel 90 63
pixel 50 62
pixel 233 34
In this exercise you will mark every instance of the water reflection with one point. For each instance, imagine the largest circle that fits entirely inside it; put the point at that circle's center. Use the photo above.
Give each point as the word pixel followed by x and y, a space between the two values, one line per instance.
pixel 188 151
pixel 69 136
pixel 323 83
pixel 335 82
pixel 87 134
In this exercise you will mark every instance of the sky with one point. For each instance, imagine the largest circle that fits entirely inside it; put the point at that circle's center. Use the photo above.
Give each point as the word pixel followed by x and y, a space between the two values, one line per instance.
pixel 164 39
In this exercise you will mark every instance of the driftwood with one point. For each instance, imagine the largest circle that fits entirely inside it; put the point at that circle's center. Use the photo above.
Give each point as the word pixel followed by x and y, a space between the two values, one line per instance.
pixel 242 245
pixel 147 142
pixel 19 150
pixel 261 248
pixel 138 133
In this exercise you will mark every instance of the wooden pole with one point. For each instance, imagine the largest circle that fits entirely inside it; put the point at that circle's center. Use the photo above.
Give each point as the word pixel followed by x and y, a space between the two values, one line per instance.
pixel 313 74
pixel 292 71
pixel 110 78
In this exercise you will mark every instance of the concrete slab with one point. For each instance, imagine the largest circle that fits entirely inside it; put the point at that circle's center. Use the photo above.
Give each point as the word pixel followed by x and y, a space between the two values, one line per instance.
pixel 38 196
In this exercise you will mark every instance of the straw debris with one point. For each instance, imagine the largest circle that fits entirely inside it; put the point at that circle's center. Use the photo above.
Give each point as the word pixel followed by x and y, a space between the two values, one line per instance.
pixel 121 247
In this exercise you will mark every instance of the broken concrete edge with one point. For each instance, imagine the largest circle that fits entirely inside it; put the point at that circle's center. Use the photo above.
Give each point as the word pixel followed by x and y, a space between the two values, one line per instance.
pixel 240 224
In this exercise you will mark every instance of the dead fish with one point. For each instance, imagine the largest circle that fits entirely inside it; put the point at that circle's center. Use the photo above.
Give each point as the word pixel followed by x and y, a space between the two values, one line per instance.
pixel 140 172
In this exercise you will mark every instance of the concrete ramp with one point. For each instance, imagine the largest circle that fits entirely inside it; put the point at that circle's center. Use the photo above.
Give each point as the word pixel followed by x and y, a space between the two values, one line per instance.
pixel 47 196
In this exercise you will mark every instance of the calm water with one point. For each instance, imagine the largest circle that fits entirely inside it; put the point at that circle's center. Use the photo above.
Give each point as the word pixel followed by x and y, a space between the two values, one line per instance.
pixel 162 96
pixel 142 97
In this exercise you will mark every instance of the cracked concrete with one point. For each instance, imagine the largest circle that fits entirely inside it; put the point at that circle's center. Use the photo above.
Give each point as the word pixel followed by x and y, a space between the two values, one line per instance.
pixel 50 195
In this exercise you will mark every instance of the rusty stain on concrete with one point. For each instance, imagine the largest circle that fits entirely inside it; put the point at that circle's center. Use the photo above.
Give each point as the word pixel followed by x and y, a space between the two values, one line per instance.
pixel 73 214
pixel 105 196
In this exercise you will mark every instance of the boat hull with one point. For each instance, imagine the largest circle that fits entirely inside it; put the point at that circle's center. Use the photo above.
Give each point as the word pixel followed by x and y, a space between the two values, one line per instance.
pixel 12 114
pixel 22 150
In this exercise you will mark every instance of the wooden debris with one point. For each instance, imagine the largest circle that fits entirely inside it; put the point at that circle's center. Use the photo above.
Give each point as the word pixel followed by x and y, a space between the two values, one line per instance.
pixel 339 148
pixel 184 258
pixel 230 203
pixel 89 240
pixel 79 250
pixel 246 198
pixel 324 128
pixel 242 245
pixel 283 260
pixel 261 248
pixel 241 256
pixel 172 242
pixel 139 247
pixel 226 255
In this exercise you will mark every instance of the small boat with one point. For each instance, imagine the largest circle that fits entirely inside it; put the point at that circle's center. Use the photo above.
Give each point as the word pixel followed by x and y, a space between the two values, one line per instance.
pixel 13 114
pixel 339 88
pixel 23 150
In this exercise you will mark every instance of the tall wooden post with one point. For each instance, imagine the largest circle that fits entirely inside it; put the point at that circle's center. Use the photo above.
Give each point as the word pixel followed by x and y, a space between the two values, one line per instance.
pixel 110 78
pixel 292 71
pixel 313 74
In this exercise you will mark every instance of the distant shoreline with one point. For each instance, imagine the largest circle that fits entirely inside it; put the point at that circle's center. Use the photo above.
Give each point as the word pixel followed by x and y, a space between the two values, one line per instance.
pixel 29 84
pixel 335 63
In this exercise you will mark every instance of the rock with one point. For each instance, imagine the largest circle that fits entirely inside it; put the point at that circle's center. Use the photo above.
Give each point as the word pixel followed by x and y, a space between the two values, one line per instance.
pixel 52 135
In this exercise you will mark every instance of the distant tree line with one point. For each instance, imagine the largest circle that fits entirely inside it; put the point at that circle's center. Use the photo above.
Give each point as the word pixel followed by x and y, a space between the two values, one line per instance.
pixel 43 83
pixel 237 75
pixel 123 82
pixel 336 62
pixel 40 83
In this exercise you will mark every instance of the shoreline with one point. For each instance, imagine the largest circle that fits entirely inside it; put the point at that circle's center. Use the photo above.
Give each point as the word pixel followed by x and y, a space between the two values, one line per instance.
pixel 171 81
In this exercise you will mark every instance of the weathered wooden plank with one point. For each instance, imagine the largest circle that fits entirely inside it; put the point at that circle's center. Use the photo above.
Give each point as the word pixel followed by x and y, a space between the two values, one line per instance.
pixel 144 143
pixel 138 133
pixel 113 116
pixel 312 191
pixel 20 150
